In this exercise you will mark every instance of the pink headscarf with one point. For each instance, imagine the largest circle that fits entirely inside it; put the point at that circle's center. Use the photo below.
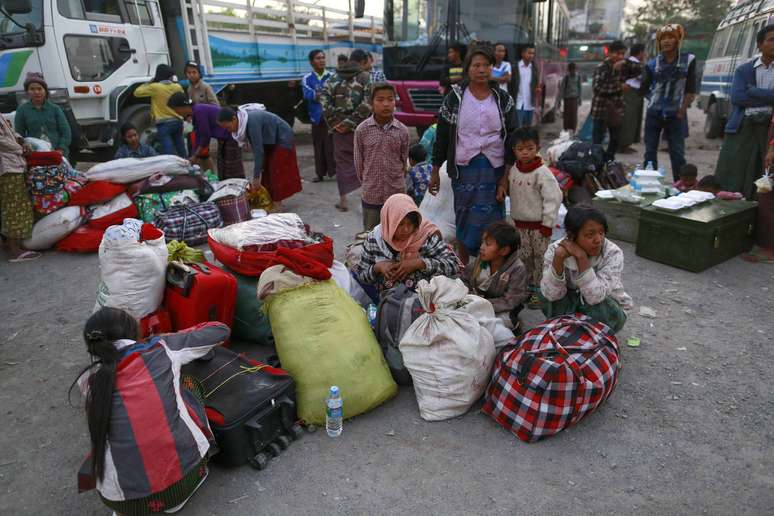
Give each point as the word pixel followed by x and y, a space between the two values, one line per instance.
pixel 393 212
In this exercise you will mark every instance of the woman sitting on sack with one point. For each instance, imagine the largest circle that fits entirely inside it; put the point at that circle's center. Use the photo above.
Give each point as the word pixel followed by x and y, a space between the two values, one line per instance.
pixel 582 272
pixel 404 248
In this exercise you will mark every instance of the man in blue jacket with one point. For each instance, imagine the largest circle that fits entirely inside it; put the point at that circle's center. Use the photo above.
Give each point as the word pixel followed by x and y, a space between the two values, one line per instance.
pixel 322 139
pixel 741 159
pixel 669 83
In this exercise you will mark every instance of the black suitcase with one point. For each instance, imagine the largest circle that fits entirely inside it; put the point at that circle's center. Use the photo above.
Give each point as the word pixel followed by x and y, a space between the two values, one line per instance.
pixel 250 405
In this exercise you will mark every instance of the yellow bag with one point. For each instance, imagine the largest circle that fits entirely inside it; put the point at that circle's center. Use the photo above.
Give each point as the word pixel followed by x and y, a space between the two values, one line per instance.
pixel 323 338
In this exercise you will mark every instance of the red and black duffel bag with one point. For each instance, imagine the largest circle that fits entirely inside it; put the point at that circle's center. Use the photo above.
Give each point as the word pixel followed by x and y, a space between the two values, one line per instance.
pixel 558 372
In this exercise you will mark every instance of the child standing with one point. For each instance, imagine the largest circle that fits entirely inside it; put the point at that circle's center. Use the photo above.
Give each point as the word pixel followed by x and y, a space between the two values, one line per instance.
pixel 381 152
pixel 688 176
pixel 138 407
pixel 498 274
pixel 418 176
pixel 132 147
pixel 535 199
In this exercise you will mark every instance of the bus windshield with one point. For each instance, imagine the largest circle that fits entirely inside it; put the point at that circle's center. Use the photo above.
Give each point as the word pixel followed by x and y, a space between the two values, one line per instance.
pixel 414 22
pixel 15 28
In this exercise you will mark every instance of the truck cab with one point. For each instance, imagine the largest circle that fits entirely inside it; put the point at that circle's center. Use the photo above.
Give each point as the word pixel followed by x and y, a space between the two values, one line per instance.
pixel 92 53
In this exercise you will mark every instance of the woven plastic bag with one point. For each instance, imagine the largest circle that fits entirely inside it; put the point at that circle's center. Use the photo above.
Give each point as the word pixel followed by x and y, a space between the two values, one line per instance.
pixel 447 350
pixel 323 338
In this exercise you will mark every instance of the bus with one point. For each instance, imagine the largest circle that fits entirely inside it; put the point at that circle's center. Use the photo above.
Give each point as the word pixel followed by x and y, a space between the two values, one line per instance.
pixel 94 53
pixel 587 54
pixel 734 44
pixel 417 33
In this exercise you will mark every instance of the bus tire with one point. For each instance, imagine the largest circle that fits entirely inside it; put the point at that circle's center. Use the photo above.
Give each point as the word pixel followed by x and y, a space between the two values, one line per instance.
pixel 713 123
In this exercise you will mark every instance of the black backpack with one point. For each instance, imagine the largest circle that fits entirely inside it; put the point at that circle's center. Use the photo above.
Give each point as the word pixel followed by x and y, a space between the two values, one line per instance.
pixel 397 310
pixel 582 158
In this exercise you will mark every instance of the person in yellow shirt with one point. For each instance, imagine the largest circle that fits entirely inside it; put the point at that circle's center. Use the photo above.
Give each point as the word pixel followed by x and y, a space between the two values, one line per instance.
pixel 169 125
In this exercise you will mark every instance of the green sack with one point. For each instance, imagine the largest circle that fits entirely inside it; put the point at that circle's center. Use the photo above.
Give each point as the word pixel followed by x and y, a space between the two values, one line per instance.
pixel 323 338
pixel 251 324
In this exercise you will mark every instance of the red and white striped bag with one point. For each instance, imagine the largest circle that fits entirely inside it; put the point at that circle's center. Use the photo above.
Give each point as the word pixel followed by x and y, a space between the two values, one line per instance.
pixel 557 373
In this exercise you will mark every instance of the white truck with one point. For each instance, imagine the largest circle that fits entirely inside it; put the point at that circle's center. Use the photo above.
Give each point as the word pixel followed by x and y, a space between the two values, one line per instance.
pixel 94 53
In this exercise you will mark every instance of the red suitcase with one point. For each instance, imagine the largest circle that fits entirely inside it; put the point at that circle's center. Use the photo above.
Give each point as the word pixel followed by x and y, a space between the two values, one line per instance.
pixel 197 293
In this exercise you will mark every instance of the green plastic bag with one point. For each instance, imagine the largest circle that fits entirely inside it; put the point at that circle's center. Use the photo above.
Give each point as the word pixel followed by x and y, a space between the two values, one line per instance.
pixel 323 338
pixel 251 324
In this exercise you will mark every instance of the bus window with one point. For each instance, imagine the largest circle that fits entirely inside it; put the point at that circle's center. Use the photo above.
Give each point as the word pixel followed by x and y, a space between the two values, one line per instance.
pixel 133 7
pixel 753 49
pixel 733 41
pixel 719 43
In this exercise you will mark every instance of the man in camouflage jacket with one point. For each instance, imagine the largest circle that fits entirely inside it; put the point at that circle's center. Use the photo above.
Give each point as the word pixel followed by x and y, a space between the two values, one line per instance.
pixel 345 103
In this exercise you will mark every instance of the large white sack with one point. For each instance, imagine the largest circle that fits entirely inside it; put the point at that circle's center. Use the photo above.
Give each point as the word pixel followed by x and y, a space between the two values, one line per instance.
pixel 439 209
pixel 344 279
pixel 54 227
pixel 266 230
pixel 129 170
pixel 448 352
pixel 133 275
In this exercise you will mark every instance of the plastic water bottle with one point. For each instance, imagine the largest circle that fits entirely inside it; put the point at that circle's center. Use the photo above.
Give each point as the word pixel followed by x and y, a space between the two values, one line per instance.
pixel 372 310
pixel 649 166
pixel 334 420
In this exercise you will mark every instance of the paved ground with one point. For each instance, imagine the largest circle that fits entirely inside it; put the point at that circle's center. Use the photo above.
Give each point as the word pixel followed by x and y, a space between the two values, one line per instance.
pixel 688 430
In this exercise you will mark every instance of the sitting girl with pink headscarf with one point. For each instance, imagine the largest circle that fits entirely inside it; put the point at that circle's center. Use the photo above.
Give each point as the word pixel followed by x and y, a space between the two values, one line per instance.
pixel 404 248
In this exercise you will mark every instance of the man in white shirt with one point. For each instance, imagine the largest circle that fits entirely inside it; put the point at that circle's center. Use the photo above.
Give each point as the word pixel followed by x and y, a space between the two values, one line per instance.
pixel 526 86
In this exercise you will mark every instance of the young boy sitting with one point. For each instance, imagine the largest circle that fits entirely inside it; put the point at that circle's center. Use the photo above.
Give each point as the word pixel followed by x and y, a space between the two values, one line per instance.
pixel 132 148
pixel 711 185
pixel 687 178
pixel 535 199
pixel 498 274
pixel 418 176
pixel 381 151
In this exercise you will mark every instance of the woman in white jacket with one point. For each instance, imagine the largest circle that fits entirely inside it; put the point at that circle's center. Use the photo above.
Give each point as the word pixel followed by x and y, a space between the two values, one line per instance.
pixel 582 272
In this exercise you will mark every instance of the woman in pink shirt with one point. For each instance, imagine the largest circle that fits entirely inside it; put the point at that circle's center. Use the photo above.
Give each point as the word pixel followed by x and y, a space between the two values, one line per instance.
pixel 473 122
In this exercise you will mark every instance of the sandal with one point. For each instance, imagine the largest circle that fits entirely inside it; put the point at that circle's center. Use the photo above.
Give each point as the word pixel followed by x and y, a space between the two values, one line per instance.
pixel 26 256
pixel 341 208
pixel 317 179
pixel 757 256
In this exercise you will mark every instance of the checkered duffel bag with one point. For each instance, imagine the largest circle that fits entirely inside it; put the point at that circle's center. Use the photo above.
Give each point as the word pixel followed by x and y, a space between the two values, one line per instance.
pixel 189 223
pixel 557 373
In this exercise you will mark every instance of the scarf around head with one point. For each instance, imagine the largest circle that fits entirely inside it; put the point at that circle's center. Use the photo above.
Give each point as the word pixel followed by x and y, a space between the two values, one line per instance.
pixel 242 112
pixel 393 212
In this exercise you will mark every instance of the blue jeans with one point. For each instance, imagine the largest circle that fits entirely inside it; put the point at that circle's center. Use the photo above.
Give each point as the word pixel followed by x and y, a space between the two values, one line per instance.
pixel 170 134
pixel 674 130
pixel 524 117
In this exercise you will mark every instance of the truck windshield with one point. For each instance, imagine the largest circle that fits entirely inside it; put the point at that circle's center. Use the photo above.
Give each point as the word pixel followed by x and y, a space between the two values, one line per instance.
pixel 413 22
pixel 22 30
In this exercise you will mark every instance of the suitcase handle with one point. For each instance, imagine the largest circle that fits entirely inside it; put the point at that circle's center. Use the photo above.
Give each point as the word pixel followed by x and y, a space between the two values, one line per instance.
pixel 181 276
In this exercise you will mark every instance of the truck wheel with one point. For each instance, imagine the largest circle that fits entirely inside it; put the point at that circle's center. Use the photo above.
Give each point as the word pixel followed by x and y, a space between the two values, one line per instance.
pixel 713 123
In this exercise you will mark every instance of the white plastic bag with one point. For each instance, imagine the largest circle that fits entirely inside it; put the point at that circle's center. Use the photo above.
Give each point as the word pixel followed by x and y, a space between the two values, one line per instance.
pixel 229 187
pixel 344 279
pixel 133 275
pixel 37 144
pixel 129 170
pixel 447 350
pixel 54 227
pixel 439 209
pixel 118 203
pixel 272 228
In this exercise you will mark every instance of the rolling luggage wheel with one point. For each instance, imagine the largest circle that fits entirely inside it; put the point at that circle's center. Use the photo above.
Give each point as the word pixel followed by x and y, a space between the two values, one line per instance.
pixel 296 432
pixel 274 449
pixel 284 441
pixel 260 461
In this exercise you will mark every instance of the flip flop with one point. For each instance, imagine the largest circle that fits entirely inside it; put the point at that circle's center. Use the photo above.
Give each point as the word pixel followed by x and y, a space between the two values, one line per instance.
pixel 341 208
pixel 26 256
pixel 757 257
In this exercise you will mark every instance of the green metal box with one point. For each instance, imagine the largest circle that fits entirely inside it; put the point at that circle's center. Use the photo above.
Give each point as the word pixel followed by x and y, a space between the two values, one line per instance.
pixel 697 238
pixel 623 218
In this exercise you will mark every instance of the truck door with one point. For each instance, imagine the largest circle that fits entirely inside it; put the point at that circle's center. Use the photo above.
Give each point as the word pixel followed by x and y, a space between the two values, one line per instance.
pixel 146 15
